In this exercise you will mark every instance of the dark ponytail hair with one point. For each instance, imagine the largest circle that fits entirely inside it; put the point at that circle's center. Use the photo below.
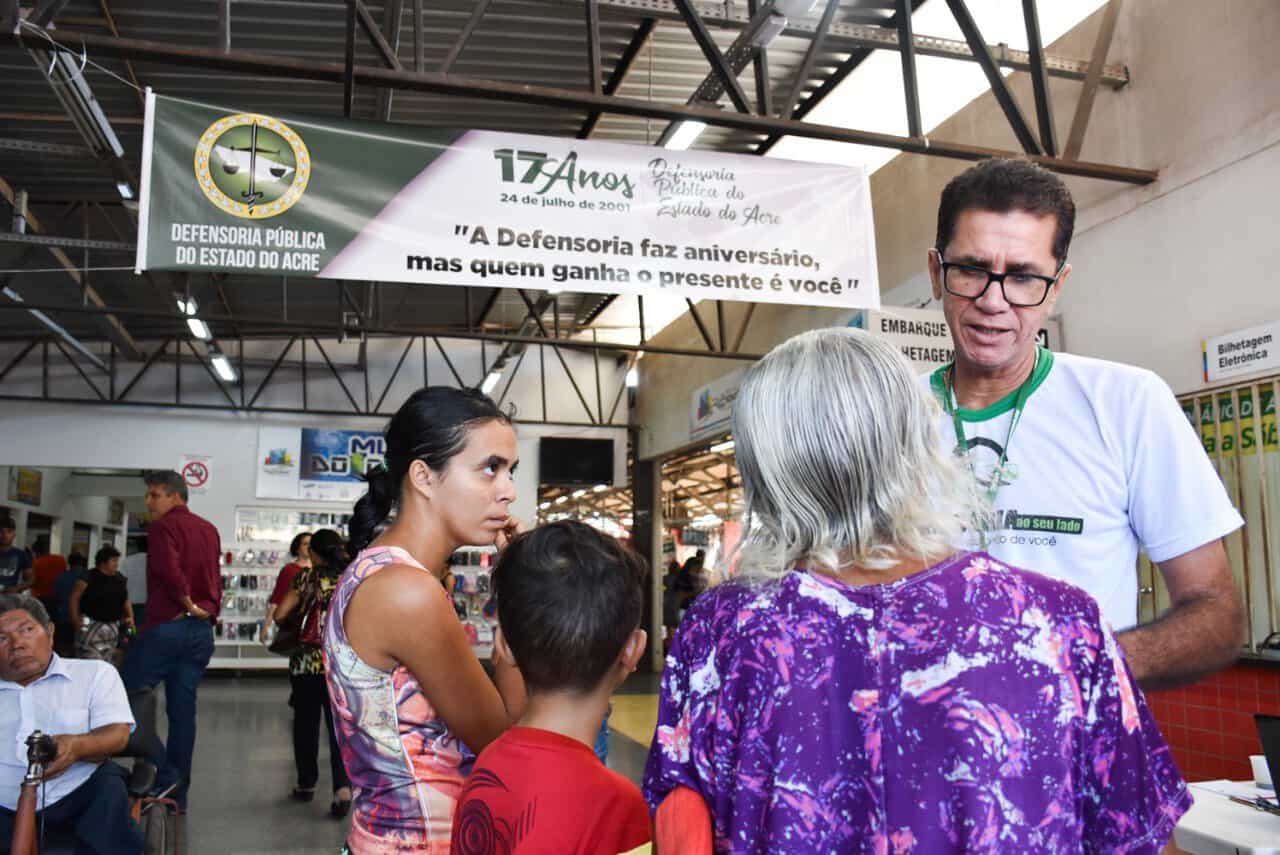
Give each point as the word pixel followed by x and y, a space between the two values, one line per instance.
pixel 431 426
pixel 328 546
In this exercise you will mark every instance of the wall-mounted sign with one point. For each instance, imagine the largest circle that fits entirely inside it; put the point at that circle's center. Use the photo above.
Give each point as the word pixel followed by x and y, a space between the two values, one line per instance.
pixel 1242 352
pixel 310 463
pixel 306 196
pixel 25 485
pixel 196 470
pixel 711 407
pixel 923 335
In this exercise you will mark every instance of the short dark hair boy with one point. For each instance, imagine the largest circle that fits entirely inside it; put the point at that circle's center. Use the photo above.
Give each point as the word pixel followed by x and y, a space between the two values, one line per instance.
pixel 570 600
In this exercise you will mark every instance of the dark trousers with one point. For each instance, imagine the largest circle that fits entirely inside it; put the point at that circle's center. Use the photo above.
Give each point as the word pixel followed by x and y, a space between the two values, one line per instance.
pixel 96 812
pixel 310 702
pixel 176 654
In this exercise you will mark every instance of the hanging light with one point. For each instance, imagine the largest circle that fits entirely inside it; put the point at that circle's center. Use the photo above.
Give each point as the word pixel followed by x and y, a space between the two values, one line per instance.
pixel 198 328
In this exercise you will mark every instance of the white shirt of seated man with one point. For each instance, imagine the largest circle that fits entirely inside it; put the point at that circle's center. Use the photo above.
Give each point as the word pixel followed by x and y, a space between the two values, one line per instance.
pixel 81 703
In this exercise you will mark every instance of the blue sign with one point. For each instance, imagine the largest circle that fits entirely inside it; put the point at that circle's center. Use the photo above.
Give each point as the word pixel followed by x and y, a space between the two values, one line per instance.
pixel 340 455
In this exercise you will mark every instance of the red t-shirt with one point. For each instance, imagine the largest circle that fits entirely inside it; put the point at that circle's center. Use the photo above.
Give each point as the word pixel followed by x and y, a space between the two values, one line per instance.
pixel 533 791
pixel 283 581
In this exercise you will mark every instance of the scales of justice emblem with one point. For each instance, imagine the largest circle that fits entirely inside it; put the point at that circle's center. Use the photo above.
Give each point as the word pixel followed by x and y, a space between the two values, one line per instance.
pixel 252 166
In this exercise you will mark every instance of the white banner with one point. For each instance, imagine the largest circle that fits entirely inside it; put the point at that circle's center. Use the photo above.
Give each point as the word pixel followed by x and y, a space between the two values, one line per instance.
pixel 279 450
pixel 543 212
pixel 1243 352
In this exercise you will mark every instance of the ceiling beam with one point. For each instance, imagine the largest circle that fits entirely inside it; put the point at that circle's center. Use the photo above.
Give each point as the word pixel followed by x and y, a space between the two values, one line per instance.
pixel 639 41
pixel 112 327
pixel 727 75
pixel 289 67
pixel 810 55
pixel 847 38
pixel 477 13
pixel 1084 107
pixel 999 87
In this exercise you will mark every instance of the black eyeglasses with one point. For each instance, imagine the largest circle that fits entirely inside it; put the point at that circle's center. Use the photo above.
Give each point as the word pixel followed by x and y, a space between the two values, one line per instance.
pixel 1019 289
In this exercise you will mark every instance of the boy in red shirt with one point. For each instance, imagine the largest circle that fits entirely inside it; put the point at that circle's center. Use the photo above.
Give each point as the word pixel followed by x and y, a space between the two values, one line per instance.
pixel 569 606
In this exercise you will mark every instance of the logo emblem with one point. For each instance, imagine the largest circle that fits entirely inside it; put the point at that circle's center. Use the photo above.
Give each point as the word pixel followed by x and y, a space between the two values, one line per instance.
pixel 252 166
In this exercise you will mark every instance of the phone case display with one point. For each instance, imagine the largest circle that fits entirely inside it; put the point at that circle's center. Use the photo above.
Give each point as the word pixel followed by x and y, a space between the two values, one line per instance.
pixel 250 568
pixel 473 598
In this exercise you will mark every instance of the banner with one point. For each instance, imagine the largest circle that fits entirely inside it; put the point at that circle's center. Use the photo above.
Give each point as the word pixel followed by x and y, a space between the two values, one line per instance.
pixel 243 192
pixel 310 463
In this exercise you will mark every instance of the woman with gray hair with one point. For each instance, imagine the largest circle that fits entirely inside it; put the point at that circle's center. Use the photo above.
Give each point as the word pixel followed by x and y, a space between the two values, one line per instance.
pixel 862 687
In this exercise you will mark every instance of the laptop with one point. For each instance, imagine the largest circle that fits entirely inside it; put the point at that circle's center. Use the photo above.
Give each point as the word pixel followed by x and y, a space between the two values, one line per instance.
pixel 1269 733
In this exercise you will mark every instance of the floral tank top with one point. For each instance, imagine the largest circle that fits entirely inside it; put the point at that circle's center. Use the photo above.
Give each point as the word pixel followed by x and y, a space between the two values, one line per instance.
pixel 406 767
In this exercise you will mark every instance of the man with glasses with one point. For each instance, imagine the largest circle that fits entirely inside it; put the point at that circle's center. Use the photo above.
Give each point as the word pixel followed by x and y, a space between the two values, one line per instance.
pixel 1083 461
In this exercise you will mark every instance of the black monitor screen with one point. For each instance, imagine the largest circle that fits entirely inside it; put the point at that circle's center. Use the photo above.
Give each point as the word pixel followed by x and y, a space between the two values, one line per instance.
pixel 562 460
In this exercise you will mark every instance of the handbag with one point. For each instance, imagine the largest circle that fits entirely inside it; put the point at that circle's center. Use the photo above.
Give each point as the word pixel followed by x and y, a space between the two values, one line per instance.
pixel 311 633
pixel 291 633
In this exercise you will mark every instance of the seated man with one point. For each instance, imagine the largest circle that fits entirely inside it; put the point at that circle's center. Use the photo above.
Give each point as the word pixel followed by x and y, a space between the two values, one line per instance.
pixel 569 606
pixel 82 704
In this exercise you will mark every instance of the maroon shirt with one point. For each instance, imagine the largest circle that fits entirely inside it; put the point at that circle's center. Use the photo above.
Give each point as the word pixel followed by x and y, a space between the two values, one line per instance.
pixel 283 582
pixel 182 560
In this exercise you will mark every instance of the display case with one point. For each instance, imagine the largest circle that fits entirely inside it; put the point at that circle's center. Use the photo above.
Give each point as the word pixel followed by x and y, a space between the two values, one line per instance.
pixel 249 572
pixel 473 596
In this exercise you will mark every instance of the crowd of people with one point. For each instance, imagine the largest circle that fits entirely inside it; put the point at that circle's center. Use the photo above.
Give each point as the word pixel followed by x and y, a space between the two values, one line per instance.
pixel 929 642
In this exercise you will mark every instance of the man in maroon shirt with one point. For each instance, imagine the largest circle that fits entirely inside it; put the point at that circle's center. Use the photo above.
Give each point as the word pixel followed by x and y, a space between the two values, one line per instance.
pixel 184 595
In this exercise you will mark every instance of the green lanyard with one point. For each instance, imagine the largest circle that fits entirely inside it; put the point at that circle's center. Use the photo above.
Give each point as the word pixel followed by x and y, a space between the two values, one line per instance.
pixel 1019 404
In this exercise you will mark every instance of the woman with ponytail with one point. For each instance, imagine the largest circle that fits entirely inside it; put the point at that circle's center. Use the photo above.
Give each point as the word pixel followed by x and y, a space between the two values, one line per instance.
pixel 312 589
pixel 412 705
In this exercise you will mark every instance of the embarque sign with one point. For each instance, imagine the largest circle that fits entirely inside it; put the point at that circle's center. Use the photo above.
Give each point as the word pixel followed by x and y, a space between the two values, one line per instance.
pixel 231 190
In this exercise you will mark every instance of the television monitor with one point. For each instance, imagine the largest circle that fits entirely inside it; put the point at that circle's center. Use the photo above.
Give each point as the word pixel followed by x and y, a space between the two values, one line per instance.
pixel 572 461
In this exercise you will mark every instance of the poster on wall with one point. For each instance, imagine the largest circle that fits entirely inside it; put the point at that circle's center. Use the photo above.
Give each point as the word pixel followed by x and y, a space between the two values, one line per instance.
pixel 334 463
pixel 317 464
pixel 196 470
pixel 25 485
pixel 244 192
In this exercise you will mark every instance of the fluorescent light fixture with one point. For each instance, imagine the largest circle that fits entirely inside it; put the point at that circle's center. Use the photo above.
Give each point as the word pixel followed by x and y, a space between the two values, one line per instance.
pixel 187 307
pixel 794 8
pixel 560 500
pixel 722 447
pixel 544 506
pixel 491 381
pixel 600 488
pixel 578 494
pixel 770 29
pixel 223 366
pixel 633 377
pixel 199 329
pixel 684 133
pixel 125 191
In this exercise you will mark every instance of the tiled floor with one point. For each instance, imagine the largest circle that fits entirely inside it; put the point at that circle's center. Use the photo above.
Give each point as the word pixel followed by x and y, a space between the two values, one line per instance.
pixel 244 768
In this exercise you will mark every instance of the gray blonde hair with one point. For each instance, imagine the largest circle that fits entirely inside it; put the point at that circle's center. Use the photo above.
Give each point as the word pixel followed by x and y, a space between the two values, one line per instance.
pixel 837 446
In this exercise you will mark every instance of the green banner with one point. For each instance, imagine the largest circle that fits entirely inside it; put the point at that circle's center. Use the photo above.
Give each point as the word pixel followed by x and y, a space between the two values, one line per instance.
pixel 224 190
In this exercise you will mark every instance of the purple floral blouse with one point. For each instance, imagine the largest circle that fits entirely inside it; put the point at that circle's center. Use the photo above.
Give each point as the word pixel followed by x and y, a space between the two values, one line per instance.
pixel 971 707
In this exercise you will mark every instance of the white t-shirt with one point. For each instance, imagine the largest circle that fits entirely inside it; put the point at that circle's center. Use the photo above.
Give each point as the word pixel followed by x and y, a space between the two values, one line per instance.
pixel 1104 462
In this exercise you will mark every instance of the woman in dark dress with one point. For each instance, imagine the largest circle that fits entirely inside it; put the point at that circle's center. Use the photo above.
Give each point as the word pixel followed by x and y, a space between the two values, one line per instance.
pixel 100 608
pixel 310 697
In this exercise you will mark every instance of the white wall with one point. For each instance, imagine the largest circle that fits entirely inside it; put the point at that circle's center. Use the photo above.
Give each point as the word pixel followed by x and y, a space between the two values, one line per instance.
pixel 1156 268
pixel 40 434
pixel 64 499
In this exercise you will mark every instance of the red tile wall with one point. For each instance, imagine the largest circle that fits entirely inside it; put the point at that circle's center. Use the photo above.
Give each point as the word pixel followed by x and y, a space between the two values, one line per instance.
pixel 1209 725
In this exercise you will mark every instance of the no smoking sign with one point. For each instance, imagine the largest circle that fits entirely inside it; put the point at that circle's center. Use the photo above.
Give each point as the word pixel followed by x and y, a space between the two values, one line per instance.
pixel 196 469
